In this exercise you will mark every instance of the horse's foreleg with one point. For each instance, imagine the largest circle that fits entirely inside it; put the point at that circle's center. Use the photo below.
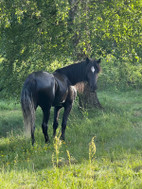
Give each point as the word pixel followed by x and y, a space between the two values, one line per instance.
pixel 56 116
pixel 65 118
pixel 46 114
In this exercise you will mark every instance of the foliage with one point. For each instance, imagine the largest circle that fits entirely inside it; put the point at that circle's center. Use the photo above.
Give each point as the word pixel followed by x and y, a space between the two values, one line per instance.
pixel 117 74
pixel 110 160
pixel 34 34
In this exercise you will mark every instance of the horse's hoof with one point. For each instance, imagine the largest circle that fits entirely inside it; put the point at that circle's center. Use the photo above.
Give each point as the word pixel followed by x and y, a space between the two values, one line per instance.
pixel 47 141
pixel 62 138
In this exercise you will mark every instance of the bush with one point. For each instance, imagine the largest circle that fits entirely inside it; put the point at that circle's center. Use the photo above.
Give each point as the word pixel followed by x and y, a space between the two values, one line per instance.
pixel 116 74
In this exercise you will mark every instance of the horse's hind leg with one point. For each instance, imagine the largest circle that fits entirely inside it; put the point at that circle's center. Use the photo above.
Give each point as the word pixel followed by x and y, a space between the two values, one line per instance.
pixel 32 135
pixel 67 110
pixel 56 116
pixel 46 114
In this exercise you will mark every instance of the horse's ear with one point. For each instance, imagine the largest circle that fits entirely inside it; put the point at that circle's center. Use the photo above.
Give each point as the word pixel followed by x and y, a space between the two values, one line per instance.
pixel 87 60
pixel 99 61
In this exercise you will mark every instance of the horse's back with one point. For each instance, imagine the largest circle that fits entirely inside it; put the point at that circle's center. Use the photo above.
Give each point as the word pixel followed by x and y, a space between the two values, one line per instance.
pixel 42 86
pixel 44 81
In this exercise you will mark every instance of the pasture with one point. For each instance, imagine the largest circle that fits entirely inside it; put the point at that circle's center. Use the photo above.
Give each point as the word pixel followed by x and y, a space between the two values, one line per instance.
pixel 115 132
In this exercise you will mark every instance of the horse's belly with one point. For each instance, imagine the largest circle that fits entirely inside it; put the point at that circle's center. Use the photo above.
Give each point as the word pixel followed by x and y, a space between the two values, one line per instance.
pixel 60 97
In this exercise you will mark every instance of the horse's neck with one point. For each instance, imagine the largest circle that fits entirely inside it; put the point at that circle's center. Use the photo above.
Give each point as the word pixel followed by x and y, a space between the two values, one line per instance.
pixel 75 73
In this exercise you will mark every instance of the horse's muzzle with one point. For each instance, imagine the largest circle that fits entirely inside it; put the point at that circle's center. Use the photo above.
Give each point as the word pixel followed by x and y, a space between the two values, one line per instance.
pixel 93 88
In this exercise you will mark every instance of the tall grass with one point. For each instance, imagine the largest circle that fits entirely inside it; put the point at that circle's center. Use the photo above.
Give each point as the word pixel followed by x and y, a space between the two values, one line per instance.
pixel 103 148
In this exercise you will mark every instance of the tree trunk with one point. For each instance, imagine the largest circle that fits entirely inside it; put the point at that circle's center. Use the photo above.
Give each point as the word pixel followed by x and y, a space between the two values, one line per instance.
pixel 87 99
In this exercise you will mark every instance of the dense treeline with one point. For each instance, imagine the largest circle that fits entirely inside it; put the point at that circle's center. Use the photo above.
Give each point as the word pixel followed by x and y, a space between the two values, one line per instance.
pixel 48 34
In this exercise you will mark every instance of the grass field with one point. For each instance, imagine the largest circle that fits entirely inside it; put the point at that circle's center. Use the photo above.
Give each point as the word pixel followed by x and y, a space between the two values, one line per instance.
pixel 103 148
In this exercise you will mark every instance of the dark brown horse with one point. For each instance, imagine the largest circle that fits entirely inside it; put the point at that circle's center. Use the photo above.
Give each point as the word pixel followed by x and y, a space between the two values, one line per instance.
pixel 45 90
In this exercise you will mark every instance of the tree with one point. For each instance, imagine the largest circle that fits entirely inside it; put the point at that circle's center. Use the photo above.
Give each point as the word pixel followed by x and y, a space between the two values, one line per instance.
pixel 87 99
pixel 35 33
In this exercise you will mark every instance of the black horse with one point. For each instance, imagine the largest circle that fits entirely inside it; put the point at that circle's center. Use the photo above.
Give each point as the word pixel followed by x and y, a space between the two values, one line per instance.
pixel 45 90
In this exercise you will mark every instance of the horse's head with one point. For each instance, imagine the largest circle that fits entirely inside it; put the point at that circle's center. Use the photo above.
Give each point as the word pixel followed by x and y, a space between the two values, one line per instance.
pixel 92 70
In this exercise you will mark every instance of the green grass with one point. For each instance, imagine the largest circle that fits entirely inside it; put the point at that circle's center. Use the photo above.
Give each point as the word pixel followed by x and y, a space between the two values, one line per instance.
pixel 117 163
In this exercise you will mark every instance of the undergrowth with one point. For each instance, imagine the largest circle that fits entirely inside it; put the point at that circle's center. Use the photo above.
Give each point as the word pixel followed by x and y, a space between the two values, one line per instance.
pixel 103 148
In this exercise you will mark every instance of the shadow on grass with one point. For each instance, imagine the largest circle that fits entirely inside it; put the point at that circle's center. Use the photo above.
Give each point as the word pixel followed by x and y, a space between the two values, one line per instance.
pixel 10 126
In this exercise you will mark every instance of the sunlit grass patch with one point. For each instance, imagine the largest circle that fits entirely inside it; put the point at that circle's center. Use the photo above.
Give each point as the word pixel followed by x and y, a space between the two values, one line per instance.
pixel 112 134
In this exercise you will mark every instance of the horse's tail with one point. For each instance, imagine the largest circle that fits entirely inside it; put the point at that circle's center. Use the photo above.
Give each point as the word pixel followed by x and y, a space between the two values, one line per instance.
pixel 28 108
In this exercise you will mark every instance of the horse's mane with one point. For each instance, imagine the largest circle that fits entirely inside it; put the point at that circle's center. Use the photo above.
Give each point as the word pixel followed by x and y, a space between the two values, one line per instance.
pixel 75 72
